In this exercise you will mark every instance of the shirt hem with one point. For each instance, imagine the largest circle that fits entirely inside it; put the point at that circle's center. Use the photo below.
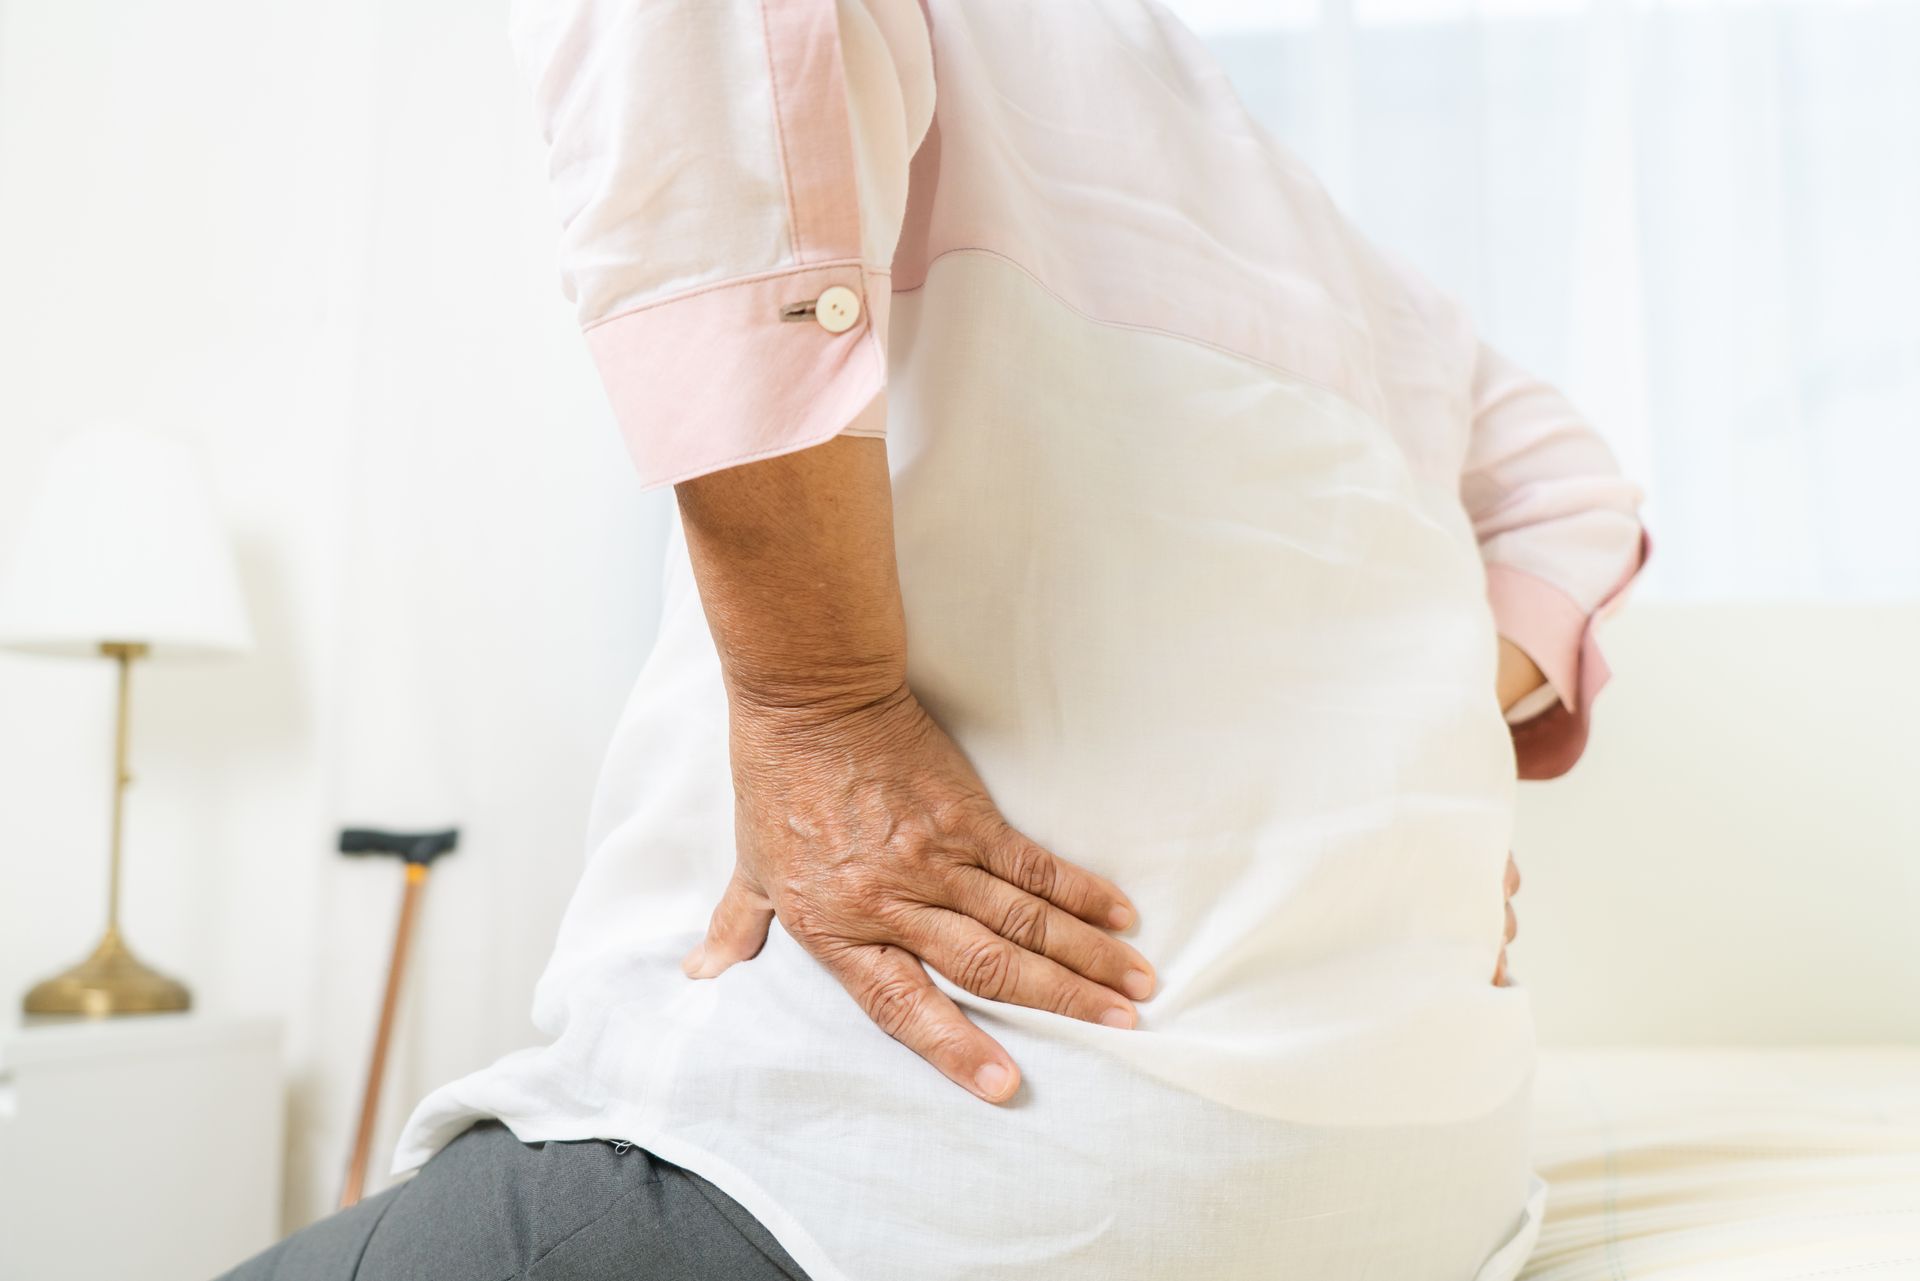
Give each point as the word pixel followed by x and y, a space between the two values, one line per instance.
pixel 1504 1264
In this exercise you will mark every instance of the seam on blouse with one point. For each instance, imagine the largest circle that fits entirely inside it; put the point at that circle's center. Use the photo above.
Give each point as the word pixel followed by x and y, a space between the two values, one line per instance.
pixel 1506 567
pixel 774 451
pixel 780 130
pixel 869 339
pixel 1164 332
pixel 1642 552
pixel 772 273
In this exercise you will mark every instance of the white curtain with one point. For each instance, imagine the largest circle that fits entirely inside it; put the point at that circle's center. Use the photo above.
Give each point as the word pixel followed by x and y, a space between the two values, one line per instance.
pixel 1698 216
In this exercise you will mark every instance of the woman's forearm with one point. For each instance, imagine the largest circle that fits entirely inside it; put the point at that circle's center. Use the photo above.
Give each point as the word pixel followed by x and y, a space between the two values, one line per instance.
pixel 794 557
pixel 858 822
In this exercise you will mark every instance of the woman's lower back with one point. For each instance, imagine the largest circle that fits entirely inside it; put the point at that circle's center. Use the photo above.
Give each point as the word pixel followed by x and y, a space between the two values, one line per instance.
pixel 1244 671
pixel 867 1166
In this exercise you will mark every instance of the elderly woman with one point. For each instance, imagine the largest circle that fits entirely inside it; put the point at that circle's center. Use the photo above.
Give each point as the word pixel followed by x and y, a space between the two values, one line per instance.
pixel 1099 581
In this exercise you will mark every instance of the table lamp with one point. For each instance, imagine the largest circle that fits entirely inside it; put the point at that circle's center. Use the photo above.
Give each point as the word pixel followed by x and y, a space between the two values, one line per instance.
pixel 120 555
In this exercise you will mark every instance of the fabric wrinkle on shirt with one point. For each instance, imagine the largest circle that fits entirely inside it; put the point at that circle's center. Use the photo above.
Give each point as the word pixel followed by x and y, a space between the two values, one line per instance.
pixel 1209 515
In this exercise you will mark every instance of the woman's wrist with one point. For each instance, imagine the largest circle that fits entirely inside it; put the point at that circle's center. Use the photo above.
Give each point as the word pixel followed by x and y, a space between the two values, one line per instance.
pixel 825 700
pixel 1518 674
pixel 794 559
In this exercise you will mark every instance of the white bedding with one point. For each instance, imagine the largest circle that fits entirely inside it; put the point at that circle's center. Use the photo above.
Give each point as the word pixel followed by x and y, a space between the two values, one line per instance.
pixel 1755 1164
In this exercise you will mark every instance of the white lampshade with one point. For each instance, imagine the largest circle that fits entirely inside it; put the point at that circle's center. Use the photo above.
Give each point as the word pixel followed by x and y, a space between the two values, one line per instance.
pixel 122 543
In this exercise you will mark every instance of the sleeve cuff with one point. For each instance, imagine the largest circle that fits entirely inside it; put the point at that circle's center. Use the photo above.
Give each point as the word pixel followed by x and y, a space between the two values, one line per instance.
pixel 1562 641
pixel 715 377
pixel 1542 620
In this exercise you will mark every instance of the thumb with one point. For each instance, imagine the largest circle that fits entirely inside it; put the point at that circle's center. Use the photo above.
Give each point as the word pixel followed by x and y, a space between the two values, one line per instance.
pixel 737 931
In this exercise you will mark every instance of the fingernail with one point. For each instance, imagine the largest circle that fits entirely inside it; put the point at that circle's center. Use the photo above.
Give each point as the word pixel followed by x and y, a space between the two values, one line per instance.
pixel 1118 1017
pixel 992 1080
pixel 1120 917
pixel 691 963
pixel 1137 985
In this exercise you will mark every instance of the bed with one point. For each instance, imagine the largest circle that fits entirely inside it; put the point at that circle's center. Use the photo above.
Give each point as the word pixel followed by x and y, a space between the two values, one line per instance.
pixel 1747 1164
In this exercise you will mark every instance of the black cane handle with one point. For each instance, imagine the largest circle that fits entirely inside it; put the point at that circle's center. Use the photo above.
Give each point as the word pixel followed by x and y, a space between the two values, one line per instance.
pixel 413 847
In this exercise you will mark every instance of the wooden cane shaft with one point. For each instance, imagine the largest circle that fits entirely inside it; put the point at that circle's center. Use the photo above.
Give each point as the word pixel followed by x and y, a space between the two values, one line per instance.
pixel 377 1068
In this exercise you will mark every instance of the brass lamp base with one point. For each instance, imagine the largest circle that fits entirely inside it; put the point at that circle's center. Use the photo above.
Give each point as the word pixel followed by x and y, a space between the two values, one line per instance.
pixel 109 982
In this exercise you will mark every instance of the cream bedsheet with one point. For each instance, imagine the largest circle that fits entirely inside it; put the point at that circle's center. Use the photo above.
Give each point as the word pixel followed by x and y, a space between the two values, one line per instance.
pixel 1747 1164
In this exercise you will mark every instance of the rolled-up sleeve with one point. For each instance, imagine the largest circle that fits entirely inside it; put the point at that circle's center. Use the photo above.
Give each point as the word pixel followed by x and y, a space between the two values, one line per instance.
pixel 1562 541
pixel 731 178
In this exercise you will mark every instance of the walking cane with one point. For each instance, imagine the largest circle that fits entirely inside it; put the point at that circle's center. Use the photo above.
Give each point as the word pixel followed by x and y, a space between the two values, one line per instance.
pixel 417 850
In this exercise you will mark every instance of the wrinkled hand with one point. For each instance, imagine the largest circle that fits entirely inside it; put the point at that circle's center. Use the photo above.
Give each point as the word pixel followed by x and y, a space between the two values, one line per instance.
pixel 1512 887
pixel 874 841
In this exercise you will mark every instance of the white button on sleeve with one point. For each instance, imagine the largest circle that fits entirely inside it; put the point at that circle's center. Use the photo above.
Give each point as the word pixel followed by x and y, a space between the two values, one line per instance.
pixel 837 309
pixel 708 202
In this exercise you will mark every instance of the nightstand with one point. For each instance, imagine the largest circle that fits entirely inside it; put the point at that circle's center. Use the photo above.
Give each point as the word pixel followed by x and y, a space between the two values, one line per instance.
pixel 143 1147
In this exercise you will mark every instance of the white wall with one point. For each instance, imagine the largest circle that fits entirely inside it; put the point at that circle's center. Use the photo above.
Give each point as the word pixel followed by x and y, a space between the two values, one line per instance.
pixel 168 258
pixel 316 240
pixel 1736 860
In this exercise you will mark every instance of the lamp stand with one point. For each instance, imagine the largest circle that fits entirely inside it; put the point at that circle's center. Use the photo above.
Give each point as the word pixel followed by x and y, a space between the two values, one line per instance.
pixel 112 981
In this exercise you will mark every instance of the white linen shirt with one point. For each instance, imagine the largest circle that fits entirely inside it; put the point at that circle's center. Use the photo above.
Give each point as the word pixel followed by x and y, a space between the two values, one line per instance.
pixel 1208 513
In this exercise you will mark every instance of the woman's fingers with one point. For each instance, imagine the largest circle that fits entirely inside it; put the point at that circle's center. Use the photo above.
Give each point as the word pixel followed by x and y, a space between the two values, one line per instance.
pixel 736 932
pixel 984 963
pixel 1038 926
pixel 1511 886
pixel 1040 872
pixel 893 988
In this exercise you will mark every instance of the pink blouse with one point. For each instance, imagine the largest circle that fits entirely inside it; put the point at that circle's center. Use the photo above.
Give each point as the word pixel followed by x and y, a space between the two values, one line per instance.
pixel 1206 510
pixel 720 166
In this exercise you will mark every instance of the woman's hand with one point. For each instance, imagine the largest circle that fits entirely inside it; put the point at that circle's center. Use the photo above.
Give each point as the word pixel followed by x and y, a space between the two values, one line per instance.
pixel 1500 976
pixel 857 820
pixel 873 840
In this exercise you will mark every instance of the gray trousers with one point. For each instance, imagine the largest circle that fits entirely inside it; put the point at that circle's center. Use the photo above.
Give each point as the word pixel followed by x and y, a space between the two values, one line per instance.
pixel 488 1207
